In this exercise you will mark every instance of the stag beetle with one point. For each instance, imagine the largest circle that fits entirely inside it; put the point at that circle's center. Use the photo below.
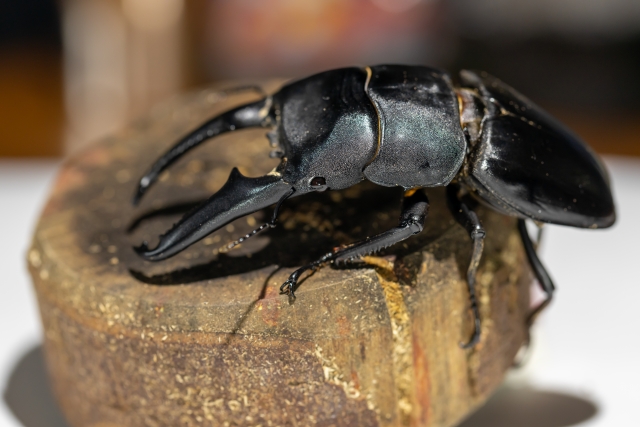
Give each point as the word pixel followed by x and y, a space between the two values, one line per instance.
pixel 407 126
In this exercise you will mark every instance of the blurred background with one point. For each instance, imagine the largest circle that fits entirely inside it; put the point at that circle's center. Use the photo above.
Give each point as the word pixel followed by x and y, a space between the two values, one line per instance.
pixel 71 71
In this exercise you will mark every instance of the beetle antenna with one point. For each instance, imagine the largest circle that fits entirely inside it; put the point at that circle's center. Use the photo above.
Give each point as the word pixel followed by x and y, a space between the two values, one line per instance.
pixel 270 224
pixel 231 245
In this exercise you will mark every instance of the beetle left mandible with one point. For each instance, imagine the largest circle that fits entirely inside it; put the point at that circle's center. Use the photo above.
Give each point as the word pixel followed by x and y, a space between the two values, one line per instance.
pixel 407 126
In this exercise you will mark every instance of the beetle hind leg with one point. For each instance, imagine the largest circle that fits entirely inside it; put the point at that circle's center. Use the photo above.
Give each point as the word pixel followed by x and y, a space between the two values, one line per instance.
pixel 538 269
pixel 414 213
pixel 469 220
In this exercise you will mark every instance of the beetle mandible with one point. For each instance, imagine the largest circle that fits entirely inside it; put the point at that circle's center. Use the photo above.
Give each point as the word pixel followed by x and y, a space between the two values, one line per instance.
pixel 407 126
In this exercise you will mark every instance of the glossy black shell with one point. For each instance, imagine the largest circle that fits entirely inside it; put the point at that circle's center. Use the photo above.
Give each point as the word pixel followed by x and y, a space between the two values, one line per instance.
pixel 327 127
pixel 528 165
pixel 421 141
pixel 395 125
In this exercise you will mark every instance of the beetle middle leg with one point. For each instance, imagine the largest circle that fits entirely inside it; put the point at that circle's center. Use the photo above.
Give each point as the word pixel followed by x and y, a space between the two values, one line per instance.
pixel 415 206
pixel 469 220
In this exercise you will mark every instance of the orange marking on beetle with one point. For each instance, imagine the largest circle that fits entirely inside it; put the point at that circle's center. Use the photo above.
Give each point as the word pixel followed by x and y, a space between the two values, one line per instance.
pixel 411 192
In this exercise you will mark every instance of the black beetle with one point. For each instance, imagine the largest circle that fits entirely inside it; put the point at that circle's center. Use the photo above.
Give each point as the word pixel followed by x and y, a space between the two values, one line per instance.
pixel 407 126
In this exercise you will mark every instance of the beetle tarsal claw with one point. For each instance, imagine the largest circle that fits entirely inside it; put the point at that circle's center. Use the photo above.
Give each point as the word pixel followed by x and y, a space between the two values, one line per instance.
pixel 288 288
pixel 475 338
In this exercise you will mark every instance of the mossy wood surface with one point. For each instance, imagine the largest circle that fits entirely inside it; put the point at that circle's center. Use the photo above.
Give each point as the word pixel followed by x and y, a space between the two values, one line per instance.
pixel 205 338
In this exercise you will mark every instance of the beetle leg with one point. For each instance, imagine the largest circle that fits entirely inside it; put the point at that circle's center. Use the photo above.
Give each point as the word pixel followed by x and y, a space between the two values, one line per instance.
pixel 290 285
pixel 539 234
pixel 469 220
pixel 538 269
pixel 414 213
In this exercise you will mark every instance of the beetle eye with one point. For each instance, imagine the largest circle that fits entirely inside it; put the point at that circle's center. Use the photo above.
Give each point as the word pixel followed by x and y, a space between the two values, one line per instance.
pixel 318 183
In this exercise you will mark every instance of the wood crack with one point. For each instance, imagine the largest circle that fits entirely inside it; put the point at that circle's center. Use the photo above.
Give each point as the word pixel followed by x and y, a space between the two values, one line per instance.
pixel 403 369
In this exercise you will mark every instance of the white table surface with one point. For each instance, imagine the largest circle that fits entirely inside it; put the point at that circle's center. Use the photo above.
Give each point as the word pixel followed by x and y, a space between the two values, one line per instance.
pixel 583 369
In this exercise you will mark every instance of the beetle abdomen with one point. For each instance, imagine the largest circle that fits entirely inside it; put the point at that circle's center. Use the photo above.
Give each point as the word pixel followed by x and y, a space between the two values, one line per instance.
pixel 529 165
pixel 420 139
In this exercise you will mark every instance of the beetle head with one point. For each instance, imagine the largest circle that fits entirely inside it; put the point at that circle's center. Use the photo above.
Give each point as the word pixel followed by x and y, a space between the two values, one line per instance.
pixel 324 128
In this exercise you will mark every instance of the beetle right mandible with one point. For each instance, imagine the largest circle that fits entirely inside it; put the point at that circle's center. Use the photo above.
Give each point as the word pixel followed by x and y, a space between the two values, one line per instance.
pixel 407 126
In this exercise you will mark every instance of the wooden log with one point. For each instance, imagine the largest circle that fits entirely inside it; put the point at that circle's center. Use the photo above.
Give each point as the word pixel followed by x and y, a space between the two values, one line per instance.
pixel 205 338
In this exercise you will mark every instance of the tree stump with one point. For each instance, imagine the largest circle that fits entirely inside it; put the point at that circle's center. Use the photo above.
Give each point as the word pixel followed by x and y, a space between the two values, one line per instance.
pixel 205 338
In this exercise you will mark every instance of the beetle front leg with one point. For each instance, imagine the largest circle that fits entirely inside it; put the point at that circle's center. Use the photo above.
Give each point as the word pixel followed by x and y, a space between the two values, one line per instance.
pixel 415 206
pixel 290 285
pixel 469 220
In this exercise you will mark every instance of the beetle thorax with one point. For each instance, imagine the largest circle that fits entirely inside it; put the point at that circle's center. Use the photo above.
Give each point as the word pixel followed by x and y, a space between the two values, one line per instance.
pixel 421 143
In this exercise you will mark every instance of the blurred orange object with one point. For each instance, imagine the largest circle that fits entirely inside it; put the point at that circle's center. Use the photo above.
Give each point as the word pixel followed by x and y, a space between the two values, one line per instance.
pixel 293 37
pixel 31 105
